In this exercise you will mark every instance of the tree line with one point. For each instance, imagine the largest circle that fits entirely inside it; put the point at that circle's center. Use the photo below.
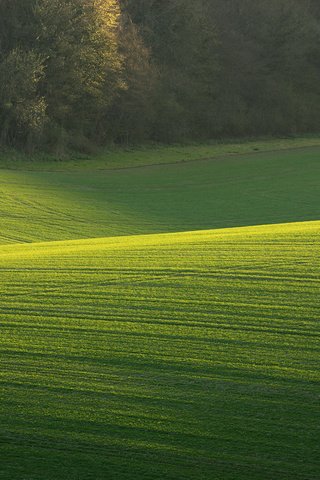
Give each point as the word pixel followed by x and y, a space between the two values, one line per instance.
pixel 74 73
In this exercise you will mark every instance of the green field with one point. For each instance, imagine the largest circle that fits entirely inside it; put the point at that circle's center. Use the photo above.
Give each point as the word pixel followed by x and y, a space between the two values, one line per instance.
pixel 162 356
pixel 244 190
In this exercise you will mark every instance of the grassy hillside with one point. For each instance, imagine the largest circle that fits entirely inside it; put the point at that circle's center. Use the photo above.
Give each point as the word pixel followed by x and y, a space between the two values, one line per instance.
pixel 183 356
pixel 133 157
pixel 259 188
pixel 174 356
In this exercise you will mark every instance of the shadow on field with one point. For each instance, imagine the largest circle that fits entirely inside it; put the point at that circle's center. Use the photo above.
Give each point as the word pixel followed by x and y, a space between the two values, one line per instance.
pixel 266 188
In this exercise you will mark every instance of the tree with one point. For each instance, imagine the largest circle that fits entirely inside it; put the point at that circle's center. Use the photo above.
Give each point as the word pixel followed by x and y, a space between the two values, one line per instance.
pixel 183 42
pixel 76 72
pixel 132 113
pixel 83 67
pixel 266 75
pixel 68 52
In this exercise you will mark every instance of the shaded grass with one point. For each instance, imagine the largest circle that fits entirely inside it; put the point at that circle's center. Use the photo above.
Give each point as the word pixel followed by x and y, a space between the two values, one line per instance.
pixel 179 356
pixel 259 188
pixel 132 157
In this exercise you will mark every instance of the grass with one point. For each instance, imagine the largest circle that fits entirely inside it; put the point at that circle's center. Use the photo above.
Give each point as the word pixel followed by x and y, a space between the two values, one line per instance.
pixel 153 354
pixel 177 356
pixel 133 157
pixel 260 188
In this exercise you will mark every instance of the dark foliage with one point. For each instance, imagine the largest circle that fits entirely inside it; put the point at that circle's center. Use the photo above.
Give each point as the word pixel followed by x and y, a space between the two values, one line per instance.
pixel 75 72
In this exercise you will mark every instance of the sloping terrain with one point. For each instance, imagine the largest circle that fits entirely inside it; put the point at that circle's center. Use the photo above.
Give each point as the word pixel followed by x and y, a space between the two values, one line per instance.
pixel 259 188
pixel 177 356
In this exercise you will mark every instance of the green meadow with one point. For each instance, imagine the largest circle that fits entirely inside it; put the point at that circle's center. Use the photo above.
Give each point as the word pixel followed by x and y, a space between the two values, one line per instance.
pixel 226 191
pixel 161 322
